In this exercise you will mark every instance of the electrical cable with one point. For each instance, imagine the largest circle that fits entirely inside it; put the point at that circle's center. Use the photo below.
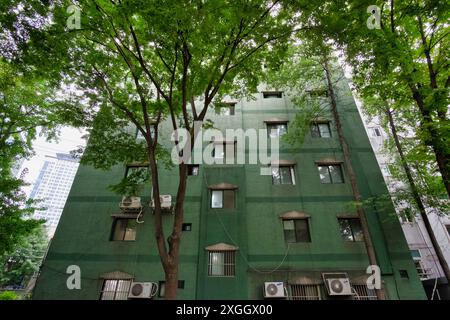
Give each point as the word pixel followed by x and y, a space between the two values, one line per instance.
pixel 240 251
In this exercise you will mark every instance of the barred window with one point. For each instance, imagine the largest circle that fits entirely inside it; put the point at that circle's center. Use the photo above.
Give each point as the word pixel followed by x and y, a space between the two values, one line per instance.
pixel 115 289
pixel 361 292
pixel 305 292
pixel 221 263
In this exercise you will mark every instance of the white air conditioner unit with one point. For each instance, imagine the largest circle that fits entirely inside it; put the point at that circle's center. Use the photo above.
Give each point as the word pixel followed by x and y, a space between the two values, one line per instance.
pixel 339 287
pixel 274 290
pixel 130 203
pixel 142 290
pixel 166 201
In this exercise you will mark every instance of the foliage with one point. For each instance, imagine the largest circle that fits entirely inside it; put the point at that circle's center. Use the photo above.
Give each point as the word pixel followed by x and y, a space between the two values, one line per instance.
pixel 29 104
pixel 20 263
pixel 140 63
pixel 8 295
pixel 404 62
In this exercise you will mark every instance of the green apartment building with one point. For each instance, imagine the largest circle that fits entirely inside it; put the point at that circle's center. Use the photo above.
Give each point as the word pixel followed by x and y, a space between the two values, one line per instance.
pixel 245 235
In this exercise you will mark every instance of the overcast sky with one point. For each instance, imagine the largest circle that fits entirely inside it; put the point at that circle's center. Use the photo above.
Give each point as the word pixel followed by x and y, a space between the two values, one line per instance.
pixel 70 139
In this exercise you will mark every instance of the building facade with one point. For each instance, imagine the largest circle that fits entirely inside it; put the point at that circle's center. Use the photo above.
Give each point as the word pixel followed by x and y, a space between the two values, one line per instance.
pixel 245 235
pixel 419 242
pixel 52 187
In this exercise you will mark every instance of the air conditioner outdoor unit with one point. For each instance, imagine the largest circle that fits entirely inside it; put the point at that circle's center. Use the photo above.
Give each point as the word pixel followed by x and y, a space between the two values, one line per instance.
pixel 166 201
pixel 274 290
pixel 339 287
pixel 130 203
pixel 142 290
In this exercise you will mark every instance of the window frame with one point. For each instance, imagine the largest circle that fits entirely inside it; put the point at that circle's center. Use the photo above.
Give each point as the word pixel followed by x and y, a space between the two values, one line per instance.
pixel 272 94
pixel 330 177
pixel 304 292
pixel 186 227
pixel 114 226
pixel 102 291
pixel 228 266
pixel 363 292
pixel 350 225
pixel 317 133
pixel 223 199
pixel 191 168
pixel 291 174
pixel 296 235
pixel 230 107
pixel 376 132
pixel 270 126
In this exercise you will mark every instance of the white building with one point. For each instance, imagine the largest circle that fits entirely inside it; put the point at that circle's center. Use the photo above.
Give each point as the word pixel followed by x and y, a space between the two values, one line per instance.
pixel 52 187
pixel 422 251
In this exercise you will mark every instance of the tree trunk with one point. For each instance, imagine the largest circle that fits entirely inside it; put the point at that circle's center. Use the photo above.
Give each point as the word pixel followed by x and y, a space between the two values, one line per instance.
pixel 171 285
pixel 433 138
pixel 352 177
pixel 417 198
pixel 175 238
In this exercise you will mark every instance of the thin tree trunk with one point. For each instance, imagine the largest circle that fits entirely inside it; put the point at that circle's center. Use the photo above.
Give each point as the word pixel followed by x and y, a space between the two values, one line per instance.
pixel 352 177
pixel 175 238
pixel 433 138
pixel 417 198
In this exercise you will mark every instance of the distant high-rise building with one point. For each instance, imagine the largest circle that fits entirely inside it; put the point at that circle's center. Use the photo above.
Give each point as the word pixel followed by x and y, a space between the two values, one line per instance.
pixel 52 187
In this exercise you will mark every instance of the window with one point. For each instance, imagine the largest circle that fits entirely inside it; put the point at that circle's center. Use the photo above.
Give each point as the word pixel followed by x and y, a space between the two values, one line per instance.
pixel 305 292
pixel 385 170
pixel 361 292
pixel 224 151
pixel 221 263
pixel 318 93
pixel 124 230
pixel 376 132
pixel 283 175
pixel 193 169
pixel 138 172
pixel 275 130
pixel 115 289
pixel 222 199
pixel 227 110
pixel 406 215
pixel 186 227
pixel 415 254
pixel 162 287
pixel 421 271
pixel 403 274
pixel 331 173
pixel 296 230
pixel 321 130
pixel 351 229
pixel 272 94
